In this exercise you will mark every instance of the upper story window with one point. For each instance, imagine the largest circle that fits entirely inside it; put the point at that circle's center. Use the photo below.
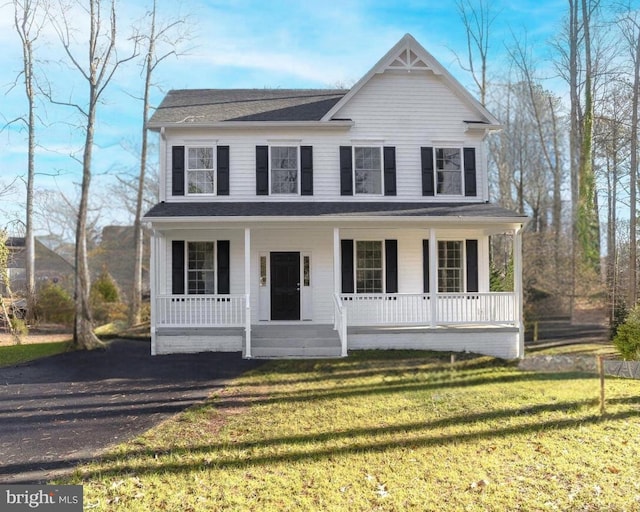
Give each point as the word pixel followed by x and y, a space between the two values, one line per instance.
pixel 448 171
pixel 200 170
pixel 367 169
pixel 284 169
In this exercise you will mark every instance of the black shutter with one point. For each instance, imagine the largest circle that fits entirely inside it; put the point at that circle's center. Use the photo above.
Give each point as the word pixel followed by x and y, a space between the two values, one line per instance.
pixel 346 171
pixel 177 267
pixel 426 155
pixel 347 265
pixel 389 171
pixel 223 267
pixel 223 170
pixel 177 170
pixel 306 170
pixel 262 170
pixel 472 265
pixel 470 172
pixel 391 258
pixel 425 266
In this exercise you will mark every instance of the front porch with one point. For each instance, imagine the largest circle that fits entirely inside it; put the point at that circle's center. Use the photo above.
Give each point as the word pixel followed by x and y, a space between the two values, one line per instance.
pixel 261 288
pixel 436 321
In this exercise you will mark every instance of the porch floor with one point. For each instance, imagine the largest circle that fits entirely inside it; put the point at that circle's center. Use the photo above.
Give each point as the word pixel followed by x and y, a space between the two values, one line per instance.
pixel 294 341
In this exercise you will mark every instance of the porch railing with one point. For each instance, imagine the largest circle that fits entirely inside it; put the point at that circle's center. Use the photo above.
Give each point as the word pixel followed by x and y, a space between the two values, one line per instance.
pixel 200 310
pixel 417 309
pixel 340 323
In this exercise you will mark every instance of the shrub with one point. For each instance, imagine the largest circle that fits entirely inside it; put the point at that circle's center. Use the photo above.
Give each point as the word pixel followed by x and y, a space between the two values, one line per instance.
pixel 19 326
pixel 627 339
pixel 620 314
pixel 54 304
pixel 105 300
pixel 105 289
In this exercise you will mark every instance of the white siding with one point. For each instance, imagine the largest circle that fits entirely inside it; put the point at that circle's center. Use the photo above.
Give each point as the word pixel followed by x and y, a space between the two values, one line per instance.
pixel 406 111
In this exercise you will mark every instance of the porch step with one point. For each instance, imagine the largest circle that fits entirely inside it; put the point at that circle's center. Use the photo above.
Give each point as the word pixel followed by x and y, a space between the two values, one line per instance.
pixel 294 342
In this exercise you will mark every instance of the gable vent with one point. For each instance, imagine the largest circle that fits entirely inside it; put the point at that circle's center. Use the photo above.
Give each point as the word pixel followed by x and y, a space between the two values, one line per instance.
pixel 408 60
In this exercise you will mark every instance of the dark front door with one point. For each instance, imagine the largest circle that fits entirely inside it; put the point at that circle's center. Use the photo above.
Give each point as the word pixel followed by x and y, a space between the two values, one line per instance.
pixel 285 286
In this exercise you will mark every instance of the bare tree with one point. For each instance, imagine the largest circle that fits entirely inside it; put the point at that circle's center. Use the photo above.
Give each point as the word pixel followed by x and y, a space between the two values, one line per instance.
pixel 29 21
pixel 630 28
pixel 477 21
pixel 98 71
pixel 165 36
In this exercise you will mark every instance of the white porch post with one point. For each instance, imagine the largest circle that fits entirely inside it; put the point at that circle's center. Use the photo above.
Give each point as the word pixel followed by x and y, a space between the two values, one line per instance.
pixel 433 276
pixel 337 281
pixel 153 288
pixel 517 288
pixel 247 291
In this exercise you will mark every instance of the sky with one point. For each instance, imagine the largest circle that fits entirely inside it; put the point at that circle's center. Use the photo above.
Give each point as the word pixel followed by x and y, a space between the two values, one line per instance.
pixel 230 44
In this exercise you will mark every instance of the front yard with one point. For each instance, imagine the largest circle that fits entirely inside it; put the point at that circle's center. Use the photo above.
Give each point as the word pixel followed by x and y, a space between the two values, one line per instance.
pixel 385 431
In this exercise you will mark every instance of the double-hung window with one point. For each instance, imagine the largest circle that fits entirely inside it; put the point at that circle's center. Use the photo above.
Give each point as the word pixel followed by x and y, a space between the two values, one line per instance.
pixel 450 266
pixel 200 170
pixel 448 171
pixel 367 169
pixel 201 267
pixel 369 267
pixel 284 169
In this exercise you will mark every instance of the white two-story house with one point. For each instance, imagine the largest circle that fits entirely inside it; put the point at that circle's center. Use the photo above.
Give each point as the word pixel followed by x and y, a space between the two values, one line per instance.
pixel 313 222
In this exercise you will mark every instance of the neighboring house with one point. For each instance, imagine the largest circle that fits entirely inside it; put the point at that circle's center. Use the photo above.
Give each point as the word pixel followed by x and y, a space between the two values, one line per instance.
pixel 116 255
pixel 311 222
pixel 49 266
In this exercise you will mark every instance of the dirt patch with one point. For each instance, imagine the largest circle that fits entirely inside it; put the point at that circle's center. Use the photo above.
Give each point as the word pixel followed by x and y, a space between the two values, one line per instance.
pixel 40 334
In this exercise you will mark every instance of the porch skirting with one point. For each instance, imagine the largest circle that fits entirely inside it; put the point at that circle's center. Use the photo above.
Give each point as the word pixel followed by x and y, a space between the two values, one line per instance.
pixel 322 341
pixel 497 341
pixel 191 340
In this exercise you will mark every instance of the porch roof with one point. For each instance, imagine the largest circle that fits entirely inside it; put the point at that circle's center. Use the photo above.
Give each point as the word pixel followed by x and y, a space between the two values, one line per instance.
pixel 330 210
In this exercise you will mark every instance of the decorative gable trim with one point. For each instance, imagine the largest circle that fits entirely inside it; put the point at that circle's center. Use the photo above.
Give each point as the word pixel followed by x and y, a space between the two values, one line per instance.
pixel 410 55
pixel 408 61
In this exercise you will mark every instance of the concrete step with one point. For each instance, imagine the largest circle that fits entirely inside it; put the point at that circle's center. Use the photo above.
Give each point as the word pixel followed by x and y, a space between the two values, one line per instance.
pixel 294 341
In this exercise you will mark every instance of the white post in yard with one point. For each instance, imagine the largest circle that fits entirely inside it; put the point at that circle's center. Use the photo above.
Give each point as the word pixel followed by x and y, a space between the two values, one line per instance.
pixel 247 291
pixel 433 276
pixel 517 288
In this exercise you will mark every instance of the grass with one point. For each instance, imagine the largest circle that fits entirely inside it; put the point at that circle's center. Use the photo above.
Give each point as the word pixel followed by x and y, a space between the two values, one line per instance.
pixel 16 354
pixel 389 431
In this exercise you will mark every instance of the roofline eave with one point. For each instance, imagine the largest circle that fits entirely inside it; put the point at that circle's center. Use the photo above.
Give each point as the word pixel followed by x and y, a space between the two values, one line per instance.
pixel 452 221
pixel 342 124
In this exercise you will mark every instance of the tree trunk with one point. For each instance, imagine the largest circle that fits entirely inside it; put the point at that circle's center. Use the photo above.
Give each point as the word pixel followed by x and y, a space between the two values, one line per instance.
pixel 633 176
pixel 83 336
pixel 138 234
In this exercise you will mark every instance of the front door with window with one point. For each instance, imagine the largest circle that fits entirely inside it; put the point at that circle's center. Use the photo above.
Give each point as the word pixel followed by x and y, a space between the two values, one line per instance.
pixel 285 286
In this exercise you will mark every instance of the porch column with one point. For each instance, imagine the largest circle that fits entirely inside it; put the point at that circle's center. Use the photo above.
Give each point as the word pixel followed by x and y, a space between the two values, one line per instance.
pixel 433 276
pixel 337 277
pixel 153 288
pixel 517 288
pixel 247 291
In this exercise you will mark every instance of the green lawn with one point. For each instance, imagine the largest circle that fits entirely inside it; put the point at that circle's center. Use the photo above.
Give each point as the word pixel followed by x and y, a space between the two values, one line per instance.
pixel 15 354
pixel 389 431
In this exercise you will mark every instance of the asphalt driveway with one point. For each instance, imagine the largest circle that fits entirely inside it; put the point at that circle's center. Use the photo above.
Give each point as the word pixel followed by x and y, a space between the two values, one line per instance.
pixel 59 411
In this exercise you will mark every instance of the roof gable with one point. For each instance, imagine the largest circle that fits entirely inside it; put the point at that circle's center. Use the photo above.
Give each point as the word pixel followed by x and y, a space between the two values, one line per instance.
pixel 409 56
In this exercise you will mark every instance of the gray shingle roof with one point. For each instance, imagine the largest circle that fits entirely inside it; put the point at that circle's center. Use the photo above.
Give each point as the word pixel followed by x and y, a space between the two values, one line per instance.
pixel 201 106
pixel 319 209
